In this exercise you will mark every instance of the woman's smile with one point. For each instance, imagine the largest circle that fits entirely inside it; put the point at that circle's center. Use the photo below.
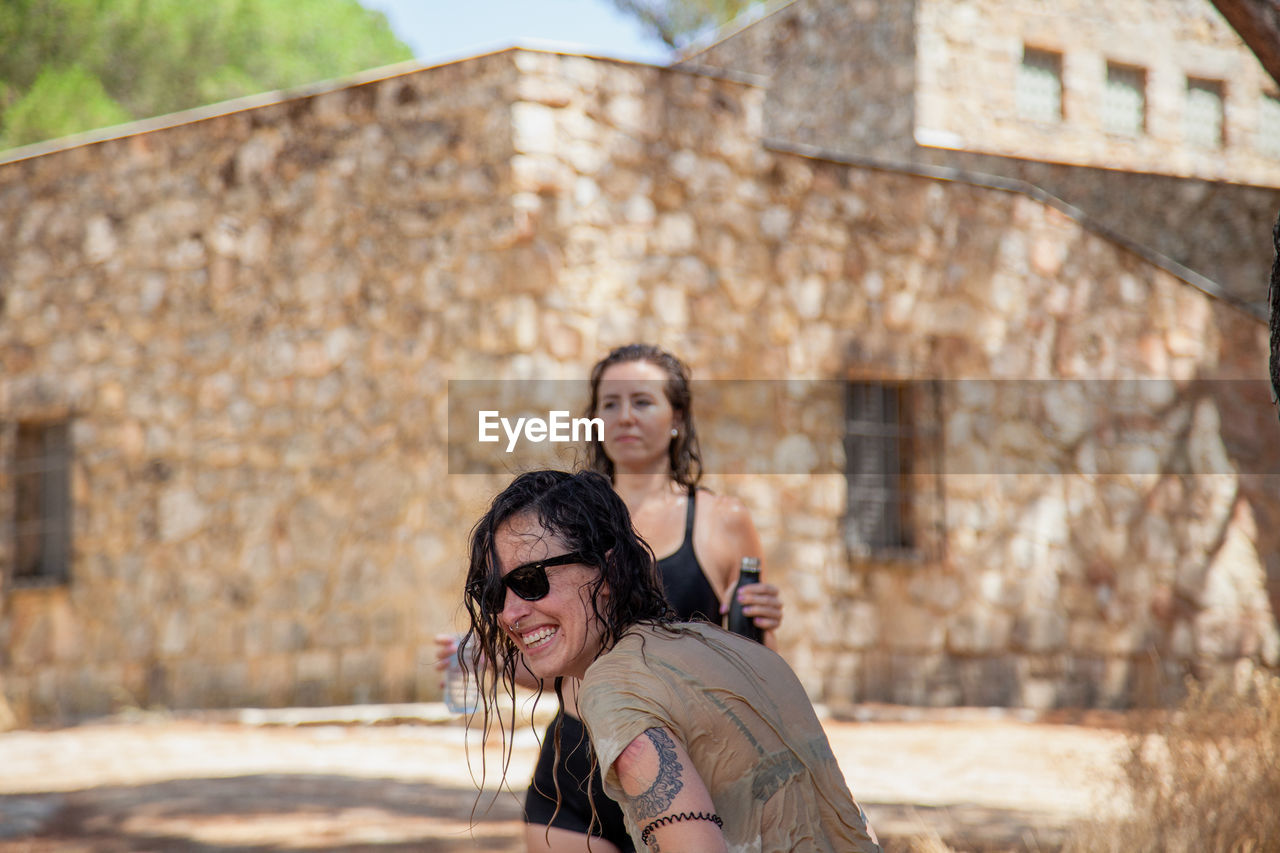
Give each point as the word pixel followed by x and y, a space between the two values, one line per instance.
pixel 538 638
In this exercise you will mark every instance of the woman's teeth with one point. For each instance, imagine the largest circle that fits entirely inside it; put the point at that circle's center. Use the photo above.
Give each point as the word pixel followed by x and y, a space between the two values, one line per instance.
pixel 538 637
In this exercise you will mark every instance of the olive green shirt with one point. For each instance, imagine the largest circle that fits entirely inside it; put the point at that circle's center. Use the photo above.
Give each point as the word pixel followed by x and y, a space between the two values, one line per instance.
pixel 747 724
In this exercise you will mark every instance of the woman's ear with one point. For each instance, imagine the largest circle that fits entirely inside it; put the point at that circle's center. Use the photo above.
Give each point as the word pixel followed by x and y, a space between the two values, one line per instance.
pixel 605 590
pixel 595 598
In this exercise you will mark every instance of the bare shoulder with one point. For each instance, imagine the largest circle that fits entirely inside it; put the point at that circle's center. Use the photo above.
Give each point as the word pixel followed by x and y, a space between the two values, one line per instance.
pixel 724 536
pixel 729 516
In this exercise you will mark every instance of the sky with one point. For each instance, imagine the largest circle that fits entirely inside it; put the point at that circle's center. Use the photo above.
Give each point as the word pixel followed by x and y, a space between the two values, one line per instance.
pixel 441 30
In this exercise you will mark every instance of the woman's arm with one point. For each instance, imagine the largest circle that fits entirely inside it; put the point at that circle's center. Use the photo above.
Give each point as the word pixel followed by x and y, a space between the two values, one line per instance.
pixel 666 797
pixel 734 536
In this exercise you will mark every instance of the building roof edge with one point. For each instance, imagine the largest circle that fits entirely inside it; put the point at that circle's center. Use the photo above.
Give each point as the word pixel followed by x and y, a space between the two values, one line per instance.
pixel 723 33
pixel 1200 282
pixel 321 87
pixel 214 110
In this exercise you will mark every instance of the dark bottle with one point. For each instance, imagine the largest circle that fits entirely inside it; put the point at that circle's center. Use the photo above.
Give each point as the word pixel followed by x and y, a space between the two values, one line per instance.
pixel 739 622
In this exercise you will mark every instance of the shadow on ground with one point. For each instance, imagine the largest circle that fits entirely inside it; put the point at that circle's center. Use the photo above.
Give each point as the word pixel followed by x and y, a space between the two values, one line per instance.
pixel 967 827
pixel 270 812
pixel 344 814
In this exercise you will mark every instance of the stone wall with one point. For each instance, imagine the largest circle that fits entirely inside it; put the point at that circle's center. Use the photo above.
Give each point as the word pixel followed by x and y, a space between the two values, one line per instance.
pixel 1220 230
pixel 969 53
pixel 252 320
pixel 865 76
pixel 842 75
pixel 932 82
pixel 249 320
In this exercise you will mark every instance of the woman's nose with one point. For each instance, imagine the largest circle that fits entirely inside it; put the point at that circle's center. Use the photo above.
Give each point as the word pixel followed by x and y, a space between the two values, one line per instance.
pixel 514 608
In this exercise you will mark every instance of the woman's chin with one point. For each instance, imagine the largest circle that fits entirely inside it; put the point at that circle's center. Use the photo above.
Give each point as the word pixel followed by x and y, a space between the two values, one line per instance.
pixel 543 660
pixel 635 459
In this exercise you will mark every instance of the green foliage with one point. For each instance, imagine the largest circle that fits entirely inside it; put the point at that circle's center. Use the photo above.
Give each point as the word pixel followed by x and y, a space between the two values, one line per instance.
pixel 151 57
pixel 60 102
pixel 677 22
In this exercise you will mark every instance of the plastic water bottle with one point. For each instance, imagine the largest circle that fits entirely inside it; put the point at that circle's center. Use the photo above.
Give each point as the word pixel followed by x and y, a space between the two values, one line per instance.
pixel 461 689
pixel 739 622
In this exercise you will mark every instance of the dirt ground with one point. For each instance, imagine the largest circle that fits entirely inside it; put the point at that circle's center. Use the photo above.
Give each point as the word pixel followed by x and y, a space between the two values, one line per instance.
pixel 397 778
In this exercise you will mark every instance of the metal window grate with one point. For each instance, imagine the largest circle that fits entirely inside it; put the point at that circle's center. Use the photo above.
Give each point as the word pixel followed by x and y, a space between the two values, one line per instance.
pixel 876 436
pixel 42 502
pixel 1203 117
pixel 1039 86
pixel 1124 100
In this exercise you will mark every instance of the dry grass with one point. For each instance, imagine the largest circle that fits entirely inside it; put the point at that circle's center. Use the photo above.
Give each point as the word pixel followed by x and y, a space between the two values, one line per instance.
pixel 1205 777
pixel 916 844
pixel 924 840
pixel 929 843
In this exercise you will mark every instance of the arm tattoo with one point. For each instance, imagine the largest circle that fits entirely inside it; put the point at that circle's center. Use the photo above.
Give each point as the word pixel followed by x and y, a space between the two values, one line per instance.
pixel 658 798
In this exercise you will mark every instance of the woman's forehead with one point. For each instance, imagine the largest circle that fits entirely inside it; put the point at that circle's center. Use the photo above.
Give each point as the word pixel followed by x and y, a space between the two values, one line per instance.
pixel 633 373
pixel 523 539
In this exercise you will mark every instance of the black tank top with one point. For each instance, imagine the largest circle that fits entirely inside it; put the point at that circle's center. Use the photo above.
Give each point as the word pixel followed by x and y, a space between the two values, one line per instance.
pixel 688 590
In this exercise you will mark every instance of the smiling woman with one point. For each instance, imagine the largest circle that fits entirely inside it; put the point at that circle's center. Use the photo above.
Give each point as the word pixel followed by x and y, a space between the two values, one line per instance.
pixel 552 625
pixel 706 739
pixel 539 561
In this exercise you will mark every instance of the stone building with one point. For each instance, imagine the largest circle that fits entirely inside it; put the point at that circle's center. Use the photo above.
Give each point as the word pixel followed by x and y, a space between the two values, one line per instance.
pixel 1001 451
pixel 1153 119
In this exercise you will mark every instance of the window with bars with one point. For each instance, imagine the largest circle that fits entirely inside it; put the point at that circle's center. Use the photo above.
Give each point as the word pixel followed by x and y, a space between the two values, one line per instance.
pixel 42 503
pixel 891 465
pixel 1203 114
pixel 1039 86
pixel 1124 100
pixel 1269 126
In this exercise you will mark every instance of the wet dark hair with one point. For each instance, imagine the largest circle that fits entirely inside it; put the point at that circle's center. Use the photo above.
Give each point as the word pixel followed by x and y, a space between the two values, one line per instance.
pixel 589 517
pixel 684 453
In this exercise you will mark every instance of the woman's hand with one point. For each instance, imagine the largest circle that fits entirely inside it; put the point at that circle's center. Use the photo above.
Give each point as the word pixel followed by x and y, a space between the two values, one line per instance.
pixel 446 648
pixel 763 603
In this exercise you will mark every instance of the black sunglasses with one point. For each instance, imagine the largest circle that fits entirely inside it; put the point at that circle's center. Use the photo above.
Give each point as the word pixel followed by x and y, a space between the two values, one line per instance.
pixel 528 581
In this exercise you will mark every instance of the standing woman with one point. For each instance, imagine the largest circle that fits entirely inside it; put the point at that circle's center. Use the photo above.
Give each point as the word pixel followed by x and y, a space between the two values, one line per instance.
pixel 651 456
